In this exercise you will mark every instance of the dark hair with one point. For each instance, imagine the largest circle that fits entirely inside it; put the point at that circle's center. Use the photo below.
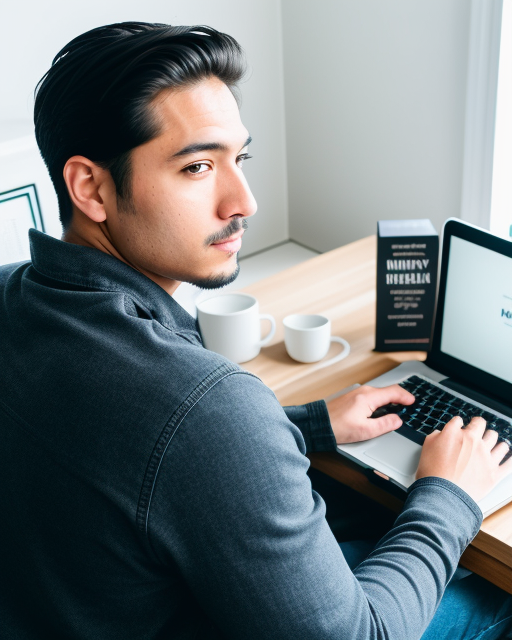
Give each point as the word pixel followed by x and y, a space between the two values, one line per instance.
pixel 95 99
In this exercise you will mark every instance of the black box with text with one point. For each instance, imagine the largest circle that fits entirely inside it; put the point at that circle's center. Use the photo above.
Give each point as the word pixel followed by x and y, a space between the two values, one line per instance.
pixel 407 258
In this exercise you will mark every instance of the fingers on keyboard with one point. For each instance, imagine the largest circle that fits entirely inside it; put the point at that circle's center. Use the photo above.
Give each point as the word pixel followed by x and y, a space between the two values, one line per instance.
pixel 434 407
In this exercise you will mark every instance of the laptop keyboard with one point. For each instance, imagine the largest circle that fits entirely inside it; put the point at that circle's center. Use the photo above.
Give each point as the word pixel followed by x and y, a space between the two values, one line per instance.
pixel 434 407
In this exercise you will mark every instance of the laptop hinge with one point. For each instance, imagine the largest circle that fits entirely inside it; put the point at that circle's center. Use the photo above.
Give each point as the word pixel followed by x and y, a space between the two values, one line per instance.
pixel 432 362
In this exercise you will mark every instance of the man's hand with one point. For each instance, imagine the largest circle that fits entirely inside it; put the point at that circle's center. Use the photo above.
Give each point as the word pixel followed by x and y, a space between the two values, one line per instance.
pixel 350 413
pixel 469 457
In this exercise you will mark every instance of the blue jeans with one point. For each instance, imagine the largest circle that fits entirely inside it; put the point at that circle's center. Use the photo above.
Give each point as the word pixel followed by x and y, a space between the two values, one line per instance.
pixel 471 608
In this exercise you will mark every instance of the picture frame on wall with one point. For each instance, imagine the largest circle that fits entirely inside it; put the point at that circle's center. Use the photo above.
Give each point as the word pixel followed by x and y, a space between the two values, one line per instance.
pixel 19 211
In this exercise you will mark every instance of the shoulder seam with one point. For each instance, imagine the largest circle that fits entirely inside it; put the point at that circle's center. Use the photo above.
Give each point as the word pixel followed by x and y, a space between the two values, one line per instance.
pixel 168 433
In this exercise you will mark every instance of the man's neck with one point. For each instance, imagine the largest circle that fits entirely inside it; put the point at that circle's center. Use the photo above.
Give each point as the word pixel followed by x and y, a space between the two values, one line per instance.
pixel 83 231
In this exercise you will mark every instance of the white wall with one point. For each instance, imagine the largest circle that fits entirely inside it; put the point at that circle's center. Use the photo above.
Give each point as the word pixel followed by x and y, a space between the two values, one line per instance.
pixel 35 30
pixel 375 105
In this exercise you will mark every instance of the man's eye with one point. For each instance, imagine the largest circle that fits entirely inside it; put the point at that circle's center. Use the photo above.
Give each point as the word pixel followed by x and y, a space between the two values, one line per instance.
pixel 200 167
pixel 241 158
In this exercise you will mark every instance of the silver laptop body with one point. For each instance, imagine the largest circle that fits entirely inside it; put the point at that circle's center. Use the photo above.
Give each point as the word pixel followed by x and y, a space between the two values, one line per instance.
pixel 470 358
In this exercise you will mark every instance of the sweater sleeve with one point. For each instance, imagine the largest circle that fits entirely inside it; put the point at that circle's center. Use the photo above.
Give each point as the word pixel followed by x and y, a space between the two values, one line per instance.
pixel 232 508
pixel 314 424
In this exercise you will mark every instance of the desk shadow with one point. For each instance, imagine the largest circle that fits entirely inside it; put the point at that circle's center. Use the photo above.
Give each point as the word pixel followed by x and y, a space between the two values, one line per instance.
pixel 278 353
pixel 356 361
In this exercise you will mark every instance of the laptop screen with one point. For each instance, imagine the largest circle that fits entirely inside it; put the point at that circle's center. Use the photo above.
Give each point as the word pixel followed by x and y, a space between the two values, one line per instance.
pixel 477 319
pixel 472 339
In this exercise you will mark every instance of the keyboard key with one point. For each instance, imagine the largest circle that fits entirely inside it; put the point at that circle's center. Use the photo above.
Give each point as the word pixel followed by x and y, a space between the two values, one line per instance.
pixel 427 430
pixel 415 424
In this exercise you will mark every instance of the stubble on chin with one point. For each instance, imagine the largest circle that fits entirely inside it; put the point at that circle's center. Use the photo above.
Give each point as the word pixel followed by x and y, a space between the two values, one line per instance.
pixel 217 282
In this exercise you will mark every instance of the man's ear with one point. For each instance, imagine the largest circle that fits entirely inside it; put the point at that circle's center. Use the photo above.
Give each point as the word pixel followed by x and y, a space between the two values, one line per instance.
pixel 88 184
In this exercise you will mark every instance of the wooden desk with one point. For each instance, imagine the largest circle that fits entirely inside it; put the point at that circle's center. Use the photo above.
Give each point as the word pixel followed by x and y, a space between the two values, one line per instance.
pixel 340 284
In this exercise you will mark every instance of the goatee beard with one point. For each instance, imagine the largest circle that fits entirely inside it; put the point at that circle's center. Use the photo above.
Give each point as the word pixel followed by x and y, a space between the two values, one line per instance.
pixel 217 282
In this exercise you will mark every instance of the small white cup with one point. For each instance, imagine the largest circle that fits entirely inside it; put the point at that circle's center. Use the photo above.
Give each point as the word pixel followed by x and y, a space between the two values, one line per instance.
pixel 308 337
pixel 230 325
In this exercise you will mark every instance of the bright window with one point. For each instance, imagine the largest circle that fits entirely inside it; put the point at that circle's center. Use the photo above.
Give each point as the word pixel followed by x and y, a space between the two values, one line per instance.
pixel 501 200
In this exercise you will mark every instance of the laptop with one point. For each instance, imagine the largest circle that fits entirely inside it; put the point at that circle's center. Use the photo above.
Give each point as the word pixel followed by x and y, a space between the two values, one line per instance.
pixel 468 371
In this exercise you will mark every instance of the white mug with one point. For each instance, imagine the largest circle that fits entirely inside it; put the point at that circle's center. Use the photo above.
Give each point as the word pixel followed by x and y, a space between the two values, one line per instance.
pixel 230 325
pixel 308 337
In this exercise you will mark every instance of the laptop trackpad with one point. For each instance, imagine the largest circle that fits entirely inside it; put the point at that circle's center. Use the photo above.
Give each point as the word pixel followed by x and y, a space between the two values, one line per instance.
pixel 396 452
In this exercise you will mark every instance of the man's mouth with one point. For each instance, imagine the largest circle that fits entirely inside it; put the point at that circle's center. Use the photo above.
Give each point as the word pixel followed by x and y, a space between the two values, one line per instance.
pixel 232 244
pixel 229 239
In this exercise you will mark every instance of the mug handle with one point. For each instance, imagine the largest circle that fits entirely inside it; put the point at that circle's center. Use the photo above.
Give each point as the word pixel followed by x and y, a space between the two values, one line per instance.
pixel 270 335
pixel 340 356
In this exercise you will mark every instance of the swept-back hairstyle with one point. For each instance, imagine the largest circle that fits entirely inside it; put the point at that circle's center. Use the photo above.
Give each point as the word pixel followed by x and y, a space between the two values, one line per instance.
pixel 95 99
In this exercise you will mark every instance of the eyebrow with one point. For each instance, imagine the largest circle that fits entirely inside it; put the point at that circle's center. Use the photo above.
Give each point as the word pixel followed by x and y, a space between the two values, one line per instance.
pixel 196 147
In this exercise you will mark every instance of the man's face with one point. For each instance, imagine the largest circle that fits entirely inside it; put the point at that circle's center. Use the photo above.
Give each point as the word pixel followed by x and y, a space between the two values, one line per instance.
pixel 189 197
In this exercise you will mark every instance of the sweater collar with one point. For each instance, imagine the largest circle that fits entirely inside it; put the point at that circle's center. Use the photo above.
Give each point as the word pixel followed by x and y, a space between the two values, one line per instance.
pixel 90 268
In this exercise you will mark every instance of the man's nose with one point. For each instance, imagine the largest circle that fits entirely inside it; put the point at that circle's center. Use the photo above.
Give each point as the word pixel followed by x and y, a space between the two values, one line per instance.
pixel 236 197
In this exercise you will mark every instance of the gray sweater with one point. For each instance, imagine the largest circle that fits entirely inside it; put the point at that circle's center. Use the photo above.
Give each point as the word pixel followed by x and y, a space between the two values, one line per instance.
pixel 156 490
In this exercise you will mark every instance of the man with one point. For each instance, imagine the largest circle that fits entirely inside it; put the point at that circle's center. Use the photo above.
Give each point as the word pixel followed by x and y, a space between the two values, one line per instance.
pixel 151 488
